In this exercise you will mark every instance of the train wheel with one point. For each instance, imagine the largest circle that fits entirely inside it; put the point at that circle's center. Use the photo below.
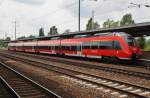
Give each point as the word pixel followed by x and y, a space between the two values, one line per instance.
pixel 105 59
pixel 37 52
pixel 62 55
pixel 102 58
pixel 114 60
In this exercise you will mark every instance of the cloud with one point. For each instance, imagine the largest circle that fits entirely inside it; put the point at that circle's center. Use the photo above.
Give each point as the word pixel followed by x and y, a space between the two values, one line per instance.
pixel 101 7
pixel 32 2
pixel 62 13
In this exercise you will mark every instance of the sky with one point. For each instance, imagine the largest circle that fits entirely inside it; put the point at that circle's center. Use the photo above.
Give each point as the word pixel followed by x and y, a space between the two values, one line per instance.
pixel 30 15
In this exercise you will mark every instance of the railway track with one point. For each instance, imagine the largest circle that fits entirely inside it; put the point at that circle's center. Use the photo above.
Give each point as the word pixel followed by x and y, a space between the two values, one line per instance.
pixel 103 68
pixel 22 86
pixel 141 63
pixel 5 90
pixel 116 88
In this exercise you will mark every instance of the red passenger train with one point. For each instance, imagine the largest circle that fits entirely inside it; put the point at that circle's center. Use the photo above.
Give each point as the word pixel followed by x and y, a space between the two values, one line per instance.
pixel 105 45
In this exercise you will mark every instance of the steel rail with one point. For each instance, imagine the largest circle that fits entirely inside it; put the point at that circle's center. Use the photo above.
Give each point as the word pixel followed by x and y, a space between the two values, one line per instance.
pixel 45 66
pixel 144 62
pixel 108 69
pixel 40 87
pixel 11 90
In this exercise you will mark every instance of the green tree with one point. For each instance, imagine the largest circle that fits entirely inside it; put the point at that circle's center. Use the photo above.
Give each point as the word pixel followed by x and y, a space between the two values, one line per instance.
pixel 126 20
pixel 22 37
pixel 148 42
pixel 89 24
pixel 110 23
pixel 53 31
pixel 92 25
pixel 147 46
pixel 8 39
pixel 66 31
pixel 31 36
pixel 41 31
pixel 3 43
pixel 116 24
pixel 141 42
pixel 96 25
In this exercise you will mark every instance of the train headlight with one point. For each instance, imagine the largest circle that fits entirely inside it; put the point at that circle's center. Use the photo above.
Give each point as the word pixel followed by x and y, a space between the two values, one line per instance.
pixel 117 52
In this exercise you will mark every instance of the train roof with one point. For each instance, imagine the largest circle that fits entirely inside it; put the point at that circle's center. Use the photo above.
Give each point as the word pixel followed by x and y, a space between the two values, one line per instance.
pixel 135 30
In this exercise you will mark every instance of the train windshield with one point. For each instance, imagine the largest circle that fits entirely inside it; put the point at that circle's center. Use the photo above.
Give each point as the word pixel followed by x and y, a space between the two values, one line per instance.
pixel 131 41
pixel 127 38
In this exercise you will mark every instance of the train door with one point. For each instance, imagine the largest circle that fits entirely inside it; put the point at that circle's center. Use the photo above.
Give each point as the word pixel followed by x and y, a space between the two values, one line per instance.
pixel 23 48
pixel 117 48
pixel 60 47
pixel 32 48
pixel 79 49
pixel 53 49
pixel 36 47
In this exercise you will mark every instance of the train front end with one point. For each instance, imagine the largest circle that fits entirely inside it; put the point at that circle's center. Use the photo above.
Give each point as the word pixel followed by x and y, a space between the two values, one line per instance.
pixel 131 49
pixel 134 49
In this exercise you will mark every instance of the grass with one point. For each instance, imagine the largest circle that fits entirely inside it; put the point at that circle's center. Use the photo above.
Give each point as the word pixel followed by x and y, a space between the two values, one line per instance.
pixel 147 48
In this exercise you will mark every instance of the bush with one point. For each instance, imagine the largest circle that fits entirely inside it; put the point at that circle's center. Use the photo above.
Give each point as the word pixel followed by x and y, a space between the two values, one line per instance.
pixel 147 46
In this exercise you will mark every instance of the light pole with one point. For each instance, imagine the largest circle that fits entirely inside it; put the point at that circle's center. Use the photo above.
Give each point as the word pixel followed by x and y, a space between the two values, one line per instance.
pixel 79 16
pixel 15 28
pixel 79 20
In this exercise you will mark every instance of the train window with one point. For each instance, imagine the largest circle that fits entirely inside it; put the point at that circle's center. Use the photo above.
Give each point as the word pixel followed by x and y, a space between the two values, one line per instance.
pixel 73 48
pixel 117 45
pixel 43 47
pixel 39 47
pixel 106 45
pixel 68 48
pixel 49 47
pixel 27 47
pixel 131 41
pixel 78 48
pixel 52 47
pixel 63 47
pixel 86 45
pixel 56 47
pixel 94 45
pixel 34 47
